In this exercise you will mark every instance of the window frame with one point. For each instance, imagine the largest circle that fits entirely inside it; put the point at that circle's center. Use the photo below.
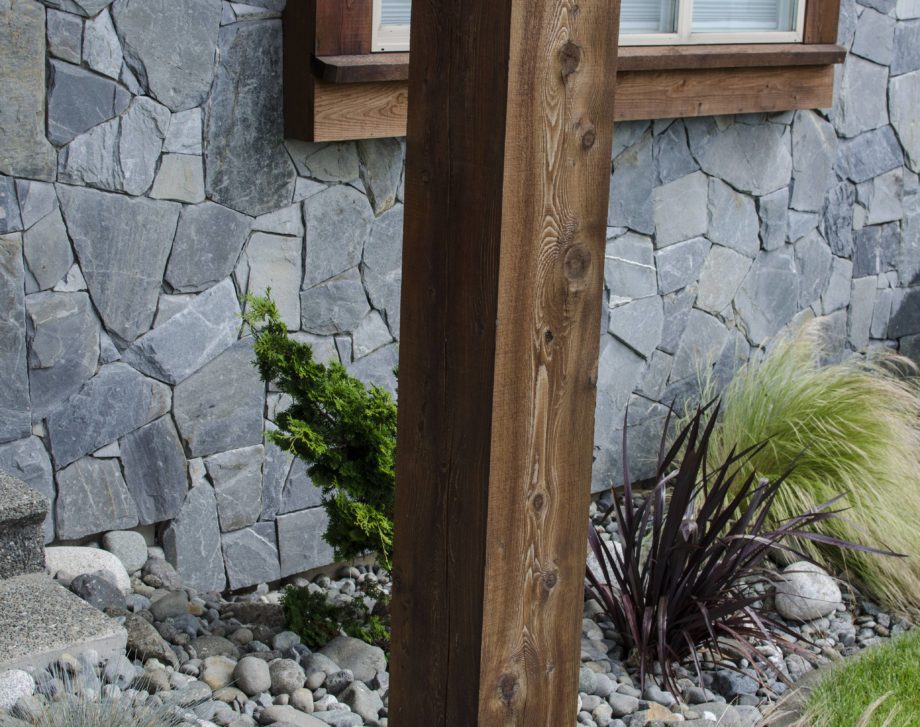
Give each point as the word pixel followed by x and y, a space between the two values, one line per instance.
pixel 337 88
pixel 395 38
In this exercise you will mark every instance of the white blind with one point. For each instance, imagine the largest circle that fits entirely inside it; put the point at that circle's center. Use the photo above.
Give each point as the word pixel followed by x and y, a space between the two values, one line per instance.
pixel 647 16
pixel 395 12
pixel 722 16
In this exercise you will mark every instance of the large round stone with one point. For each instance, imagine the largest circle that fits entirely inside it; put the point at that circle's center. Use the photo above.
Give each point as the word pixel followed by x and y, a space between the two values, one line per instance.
pixel 252 675
pixel 806 592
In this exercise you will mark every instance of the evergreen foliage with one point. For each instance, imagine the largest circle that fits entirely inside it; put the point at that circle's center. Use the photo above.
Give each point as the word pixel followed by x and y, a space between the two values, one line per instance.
pixel 317 621
pixel 344 430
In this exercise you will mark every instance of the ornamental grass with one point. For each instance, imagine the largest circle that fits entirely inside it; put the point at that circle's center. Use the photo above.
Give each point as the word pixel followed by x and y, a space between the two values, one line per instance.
pixel 850 427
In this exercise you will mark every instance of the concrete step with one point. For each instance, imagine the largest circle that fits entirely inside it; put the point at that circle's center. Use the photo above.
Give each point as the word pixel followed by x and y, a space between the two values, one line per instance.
pixel 40 620
pixel 22 537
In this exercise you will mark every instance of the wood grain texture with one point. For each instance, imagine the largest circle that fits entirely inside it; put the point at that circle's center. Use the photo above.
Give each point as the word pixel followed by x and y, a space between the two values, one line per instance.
pixel 821 20
pixel 299 40
pixel 507 180
pixel 355 111
pixel 343 26
pixel 371 67
pixel 665 94
pixel 358 110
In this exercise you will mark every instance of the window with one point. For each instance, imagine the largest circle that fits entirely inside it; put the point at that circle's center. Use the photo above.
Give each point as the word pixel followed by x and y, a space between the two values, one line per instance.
pixel 391 25
pixel 651 22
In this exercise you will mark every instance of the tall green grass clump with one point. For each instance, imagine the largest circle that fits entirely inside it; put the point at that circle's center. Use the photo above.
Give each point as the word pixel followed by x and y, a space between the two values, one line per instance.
pixel 851 427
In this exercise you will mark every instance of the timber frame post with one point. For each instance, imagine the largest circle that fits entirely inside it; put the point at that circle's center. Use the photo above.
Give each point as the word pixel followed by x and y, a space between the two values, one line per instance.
pixel 507 178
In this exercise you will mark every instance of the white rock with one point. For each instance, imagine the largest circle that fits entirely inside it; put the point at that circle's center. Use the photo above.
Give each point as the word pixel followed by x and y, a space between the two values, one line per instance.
pixel 77 561
pixel 14 684
pixel 806 592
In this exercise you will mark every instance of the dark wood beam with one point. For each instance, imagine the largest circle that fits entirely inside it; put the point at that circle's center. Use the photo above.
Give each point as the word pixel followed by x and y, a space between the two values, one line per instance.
pixel 507 178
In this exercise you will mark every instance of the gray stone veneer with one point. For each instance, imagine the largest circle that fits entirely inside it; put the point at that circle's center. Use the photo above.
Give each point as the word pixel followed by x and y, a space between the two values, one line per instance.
pixel 145 187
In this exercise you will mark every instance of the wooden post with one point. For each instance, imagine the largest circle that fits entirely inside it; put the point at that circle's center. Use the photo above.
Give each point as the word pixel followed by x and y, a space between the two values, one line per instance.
pixel 507 178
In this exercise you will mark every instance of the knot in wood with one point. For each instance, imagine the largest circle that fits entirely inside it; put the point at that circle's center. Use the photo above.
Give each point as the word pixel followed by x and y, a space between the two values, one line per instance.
pixel 577 262
pixel 538 502
pixel 508 688
pixel 588 138
pixel 569 58
pixel 548 337
pixel 550 579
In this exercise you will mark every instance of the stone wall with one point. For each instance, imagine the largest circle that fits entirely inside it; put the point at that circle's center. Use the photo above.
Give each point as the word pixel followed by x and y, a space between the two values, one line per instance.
pixel 145 187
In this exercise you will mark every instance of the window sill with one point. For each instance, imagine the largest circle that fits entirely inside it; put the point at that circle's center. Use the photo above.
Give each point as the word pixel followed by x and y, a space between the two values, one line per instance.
pixel 366 95
pixel 382 67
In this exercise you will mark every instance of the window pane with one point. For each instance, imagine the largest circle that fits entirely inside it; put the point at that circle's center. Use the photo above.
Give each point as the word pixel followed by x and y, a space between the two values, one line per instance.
pixel 395 12
pixel 647 16
pixel 722 16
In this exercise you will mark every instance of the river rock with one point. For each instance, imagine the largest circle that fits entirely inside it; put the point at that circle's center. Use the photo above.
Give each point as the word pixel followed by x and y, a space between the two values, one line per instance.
pixel 806 592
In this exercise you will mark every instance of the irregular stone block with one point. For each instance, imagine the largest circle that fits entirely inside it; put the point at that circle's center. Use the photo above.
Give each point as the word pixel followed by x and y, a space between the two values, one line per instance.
pixel 862 303
pixel 337 222
pixel 676 308
pixel 733 220
pixel 299 491
pixel 906 56
pixel 680 209
pixel 813 259
pixel 720 279
pixel 221 405
pixel 327 162
pixel 814 149
pixel 188 340
pixel 154 467
pixel 113 403
pixel 376 369
pixel 905 317
pixel 181 178
pixel 275 469
pixel 886 201
pixel 837 293
pixel 36 200
pixel 237 479
pixel 24 150
pixel 15 414
pixel 122 244
pixel 192 542
pixel 638 324
pixel 170 46
pixel 207 246
pixel 251 555
pixel 246 163
pixel 275 262
pixel 64 347
pixel 753 159
pixel 876 249
pixel 10 218
pixel 300 541
pixel 79 100
pixel 382 266
pixel 838 219
pixel 672 154
pixel 629 267
pixel 774 212
pixel 28 460
pixel 680 264
pixel 101 49
pixel 381 169
pixel 874 38
pixel 92 497
pixel 334 306
pixel 86 8
pixel 371 334
pixel 876 152
pixel 768 297
pixel 902 95
pixel 65 36
pixel 184 135
pixel 631 187
pixel 700 347
pixel 286 221
pixel 47 250
pixel 861 102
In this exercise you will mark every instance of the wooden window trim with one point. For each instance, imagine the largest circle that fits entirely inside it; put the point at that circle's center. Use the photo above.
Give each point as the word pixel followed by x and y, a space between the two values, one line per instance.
pixel 336 89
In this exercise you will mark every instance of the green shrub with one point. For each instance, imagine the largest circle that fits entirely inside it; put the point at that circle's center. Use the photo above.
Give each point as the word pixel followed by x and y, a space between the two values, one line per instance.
pixel 343 429
pixel 851 427
pixel 317 621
